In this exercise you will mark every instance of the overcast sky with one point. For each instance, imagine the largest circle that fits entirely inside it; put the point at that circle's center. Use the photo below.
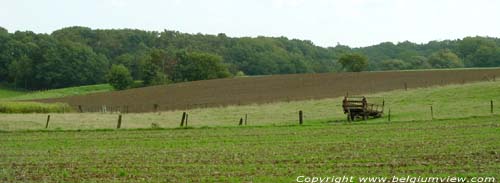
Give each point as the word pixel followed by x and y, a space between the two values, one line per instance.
pixel 325 22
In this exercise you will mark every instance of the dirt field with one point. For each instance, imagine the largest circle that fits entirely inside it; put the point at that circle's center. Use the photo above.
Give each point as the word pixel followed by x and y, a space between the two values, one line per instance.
pixel 249 90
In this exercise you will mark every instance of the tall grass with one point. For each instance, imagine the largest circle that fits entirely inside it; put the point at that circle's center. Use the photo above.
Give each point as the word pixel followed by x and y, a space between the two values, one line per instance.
pixel 33 107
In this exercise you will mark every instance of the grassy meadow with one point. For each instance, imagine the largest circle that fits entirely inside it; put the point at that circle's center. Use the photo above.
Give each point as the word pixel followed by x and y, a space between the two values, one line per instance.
pixel 464 147
pixel 13 101
pixel 10 94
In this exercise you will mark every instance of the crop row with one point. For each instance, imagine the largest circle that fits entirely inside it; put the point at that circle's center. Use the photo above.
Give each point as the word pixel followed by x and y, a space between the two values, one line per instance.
pixel 465 147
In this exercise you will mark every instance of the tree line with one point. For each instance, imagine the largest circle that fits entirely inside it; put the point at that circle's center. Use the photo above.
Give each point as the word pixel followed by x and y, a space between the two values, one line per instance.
pixel 80 56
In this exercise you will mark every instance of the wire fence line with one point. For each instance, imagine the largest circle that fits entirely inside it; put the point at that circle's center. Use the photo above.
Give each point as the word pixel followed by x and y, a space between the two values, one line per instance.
pixel 331 112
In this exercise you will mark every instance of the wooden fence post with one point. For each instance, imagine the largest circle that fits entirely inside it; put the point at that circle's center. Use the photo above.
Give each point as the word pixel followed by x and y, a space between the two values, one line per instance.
pixel 187 115
pixel 349 119
pixel 432 113
pixel 183 118
pixel 301 119
pixel 491 106
pixel 119 122
pixel 383 105
pixel 406 87
pixel 241 121
pixel 246 115
pixel 389 116
pixel 47 124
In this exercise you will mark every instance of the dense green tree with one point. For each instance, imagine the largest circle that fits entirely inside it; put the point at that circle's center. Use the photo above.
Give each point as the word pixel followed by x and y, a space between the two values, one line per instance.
pixel 445 59
pixel 393 64
pixel 479 52
pixel 119 77
pixel 418 62
pixel 199 66
pixel 152 74
pixel 3 31
pixel 5 54
pixel 485 56
pixel 21 70
pixel 81 55
pixel 354 62
pixel 68 64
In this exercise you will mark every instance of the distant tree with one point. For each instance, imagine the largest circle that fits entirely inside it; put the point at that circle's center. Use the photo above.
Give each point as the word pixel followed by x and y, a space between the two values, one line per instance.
pixel 445 59
pixel 199 66
pixel 418 62
pixel 479 52
pixel 21 70
pixel 119 77
pixel 240 74
pixel 393 64
pixel 5 53
pixel 485 56
pixel 3 31
pixel 80 55
pixel 152 74
pixel 353 62
pixel 68 64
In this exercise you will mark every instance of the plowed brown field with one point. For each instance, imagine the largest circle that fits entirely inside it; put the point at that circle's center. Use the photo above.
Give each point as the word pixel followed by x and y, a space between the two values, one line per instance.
pixel 248 90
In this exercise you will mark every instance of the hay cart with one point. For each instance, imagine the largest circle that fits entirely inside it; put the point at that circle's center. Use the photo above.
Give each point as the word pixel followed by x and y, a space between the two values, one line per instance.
pixel 358 107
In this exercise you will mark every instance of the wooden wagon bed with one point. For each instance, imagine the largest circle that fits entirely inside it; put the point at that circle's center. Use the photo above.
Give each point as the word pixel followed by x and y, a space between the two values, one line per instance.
pixel 358 107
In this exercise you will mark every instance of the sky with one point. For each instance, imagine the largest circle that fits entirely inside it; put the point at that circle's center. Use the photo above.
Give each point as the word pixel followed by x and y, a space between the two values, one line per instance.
pixel 355 23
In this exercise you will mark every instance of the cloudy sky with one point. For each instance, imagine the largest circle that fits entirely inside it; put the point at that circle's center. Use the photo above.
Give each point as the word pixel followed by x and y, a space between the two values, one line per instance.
pixel 325 22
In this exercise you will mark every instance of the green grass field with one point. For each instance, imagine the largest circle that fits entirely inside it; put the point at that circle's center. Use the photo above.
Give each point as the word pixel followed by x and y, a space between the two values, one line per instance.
pixel 11 101
pixel 461 147
pixel 463 140
pixel 10 94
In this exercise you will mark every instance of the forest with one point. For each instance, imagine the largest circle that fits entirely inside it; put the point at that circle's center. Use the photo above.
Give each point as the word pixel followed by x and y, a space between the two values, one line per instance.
pixel 76 56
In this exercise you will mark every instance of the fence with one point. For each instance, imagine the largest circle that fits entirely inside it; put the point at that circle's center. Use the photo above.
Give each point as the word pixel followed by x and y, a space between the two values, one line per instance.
pixel 248 116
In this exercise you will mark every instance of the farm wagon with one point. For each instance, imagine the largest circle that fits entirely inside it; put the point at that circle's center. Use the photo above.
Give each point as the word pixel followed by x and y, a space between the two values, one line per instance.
pixel 358 107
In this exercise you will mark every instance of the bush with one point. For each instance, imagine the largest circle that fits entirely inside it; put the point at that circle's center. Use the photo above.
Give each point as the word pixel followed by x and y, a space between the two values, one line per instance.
pixel 33 107
pixel 354 62
pixel 196 66
pixel 240 74
pixel 119 77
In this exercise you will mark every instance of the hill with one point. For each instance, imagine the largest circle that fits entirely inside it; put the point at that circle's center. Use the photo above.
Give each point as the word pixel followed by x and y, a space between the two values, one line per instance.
pixel 11 95
pixel 250 90
pixel 461 141
pixel 8 93
pixel 449 102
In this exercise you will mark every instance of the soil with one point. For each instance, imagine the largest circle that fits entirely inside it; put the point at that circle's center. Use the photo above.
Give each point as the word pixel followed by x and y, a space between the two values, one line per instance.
pixel 266 89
